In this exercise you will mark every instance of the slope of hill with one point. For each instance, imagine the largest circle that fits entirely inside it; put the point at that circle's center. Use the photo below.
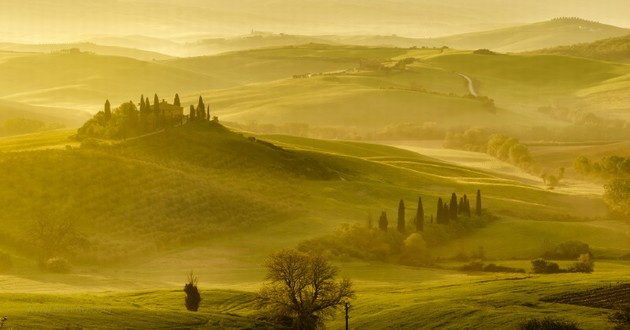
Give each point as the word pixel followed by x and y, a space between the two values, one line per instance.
pixel 201 184
pixel 559 31
pixel 85 80
pixel 69 117
pixel 610 49
pixel 134 53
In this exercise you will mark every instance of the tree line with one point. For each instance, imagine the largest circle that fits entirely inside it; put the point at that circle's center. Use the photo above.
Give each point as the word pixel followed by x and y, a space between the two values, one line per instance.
pixel 445 212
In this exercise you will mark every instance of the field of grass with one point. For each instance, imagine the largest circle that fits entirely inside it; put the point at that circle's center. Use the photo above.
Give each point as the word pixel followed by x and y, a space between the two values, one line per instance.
pixel 387 297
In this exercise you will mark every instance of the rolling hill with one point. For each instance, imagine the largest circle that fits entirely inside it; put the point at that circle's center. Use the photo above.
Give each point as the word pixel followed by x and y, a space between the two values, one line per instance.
pixel 134 53
pixel 559 31
pixel 610 49
pixel 202 184
pixel 517 38
pixel 83 80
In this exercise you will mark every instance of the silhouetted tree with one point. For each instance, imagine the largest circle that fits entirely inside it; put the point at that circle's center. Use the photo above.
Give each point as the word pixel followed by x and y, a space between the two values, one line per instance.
pixel 440 209
pixel 453 207
pixel 192 112
pixel 420 216
pixel 193 298
pixel 466 206
pixel 143 107
pixel 382 222
pixel 108 111
pixel 303 288
pixel 208 112
pixel 446 214
pixel 156 105
pixel 201 109
pixel 176 101
pixel 401 217
pixel 478 204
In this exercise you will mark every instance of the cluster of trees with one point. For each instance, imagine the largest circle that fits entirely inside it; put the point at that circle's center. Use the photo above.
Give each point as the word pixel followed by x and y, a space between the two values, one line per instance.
pixel 130 119
pixel 446 212
pixel 584 126
pixel 617 170
pixel 608 167
pixel 408 244
pixel 503 147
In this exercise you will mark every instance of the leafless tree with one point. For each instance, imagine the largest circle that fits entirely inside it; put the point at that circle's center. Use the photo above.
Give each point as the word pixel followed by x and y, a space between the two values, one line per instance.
pixel 302 289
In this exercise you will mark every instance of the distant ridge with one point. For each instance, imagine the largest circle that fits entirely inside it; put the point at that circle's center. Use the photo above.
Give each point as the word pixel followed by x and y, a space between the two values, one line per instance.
pixel 610 49
pixel 554 32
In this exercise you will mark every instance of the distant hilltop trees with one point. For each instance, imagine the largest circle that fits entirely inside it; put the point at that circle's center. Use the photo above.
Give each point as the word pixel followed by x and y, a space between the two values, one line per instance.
pixel 574 19
pixel 133 119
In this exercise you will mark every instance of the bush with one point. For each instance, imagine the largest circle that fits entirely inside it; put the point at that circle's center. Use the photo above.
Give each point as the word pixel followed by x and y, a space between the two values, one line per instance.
pixel 548 324
pixel 540 266
pixel 5 261
pixel 621 318
pixel 58 265
pixel 583 265
pixel 478 266
pixel 570 250
pixel 193 298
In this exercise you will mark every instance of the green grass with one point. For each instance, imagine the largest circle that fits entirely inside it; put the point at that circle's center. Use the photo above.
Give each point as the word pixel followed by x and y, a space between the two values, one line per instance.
pixel 130 310
pixel 44 140
pixel 387 297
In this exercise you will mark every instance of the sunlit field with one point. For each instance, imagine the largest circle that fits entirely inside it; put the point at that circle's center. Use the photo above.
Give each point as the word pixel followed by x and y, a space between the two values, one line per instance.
pixel 239 165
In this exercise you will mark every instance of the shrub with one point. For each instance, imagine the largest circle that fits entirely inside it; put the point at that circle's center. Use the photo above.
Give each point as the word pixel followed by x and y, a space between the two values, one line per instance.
pixel 540 266
pixel 58 265
pixel 621 318
pixel 5 261
pixel 569 250
pixel 193 298
pixel 479 266
pixel 583 265
pixel 548 324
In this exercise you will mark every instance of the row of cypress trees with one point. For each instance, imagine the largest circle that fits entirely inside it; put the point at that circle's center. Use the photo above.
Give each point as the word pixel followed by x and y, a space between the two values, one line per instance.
pixel 446 212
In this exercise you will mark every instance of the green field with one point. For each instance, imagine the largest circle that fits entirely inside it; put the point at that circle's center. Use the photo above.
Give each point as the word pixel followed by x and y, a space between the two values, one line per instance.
pixel 218 202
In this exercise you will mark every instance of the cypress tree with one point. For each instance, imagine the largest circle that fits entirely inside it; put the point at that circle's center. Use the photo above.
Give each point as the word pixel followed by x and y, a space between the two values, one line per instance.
pixel 192 112
pixel 147 105
pixel 201 109
pixel 108 111
pixel 453 207
pixel 142 105
pixel 478 203
pixel 401 216
pixel 440 209
pixel 382 222
pixel 445 214
pixel 208 112
pixel 420 216
pixel 156 105
pixel 466 206
pixel 176 101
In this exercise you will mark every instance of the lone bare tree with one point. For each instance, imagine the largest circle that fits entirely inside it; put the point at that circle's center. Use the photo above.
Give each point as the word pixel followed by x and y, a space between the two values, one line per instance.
pixel 302 290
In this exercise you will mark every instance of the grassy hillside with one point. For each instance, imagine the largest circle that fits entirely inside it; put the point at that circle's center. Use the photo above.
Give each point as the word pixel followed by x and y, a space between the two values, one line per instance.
pixel 78 80
pixel 69 117
pixel 134 53
pixel 560 31
pixel 610 49
pixel 196 183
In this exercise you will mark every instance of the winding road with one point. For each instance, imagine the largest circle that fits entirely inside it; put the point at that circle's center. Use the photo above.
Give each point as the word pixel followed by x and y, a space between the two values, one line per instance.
pixel 471 86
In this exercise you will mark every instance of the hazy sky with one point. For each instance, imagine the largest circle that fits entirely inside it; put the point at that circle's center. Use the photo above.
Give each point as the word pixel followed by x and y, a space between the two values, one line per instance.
pixel 59 20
